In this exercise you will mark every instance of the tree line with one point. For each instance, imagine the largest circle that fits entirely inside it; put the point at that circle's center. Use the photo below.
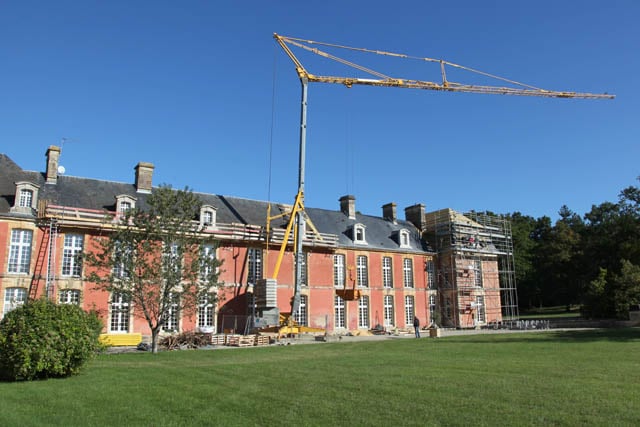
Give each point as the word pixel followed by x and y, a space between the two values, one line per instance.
pixel 592 261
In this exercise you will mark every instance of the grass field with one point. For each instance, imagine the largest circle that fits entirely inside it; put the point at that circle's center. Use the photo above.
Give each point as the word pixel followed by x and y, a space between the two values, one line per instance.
pixel 549 378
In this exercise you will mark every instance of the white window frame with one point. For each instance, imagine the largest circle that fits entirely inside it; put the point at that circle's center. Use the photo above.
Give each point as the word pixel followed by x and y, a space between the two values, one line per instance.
pixel 409 309
pixel 407 272
pixel 26 198
pixel 340 312
pixel 124 203
pixel 301 316
pixel 120 313
pixel 403 238
pixel 13 298
pixel 254 265
pixel 363 312
pixel 71 261
pixel 360 234
pixel 387 272
pixel 208 216
pixel 206 311
pixel 208 253
pixel 431 274
pixel 69 296
pixel 432 307
pixel 172 322
pixel 304 276
pixel 481 313
pixel 362 271
pixel 477 273
pixel 20 251
pixel 388 310
pixel 339 276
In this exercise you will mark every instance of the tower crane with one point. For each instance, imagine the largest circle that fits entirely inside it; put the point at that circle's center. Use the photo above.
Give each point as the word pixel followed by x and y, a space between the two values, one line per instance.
pixel 297 221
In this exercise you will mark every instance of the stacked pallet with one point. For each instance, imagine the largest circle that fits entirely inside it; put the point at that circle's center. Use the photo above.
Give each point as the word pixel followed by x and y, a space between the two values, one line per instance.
pixel 240 340
pixel 262 340
pixel 217 339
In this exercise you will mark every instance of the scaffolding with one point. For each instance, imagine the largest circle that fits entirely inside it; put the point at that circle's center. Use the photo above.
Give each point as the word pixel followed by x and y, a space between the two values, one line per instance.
pixel 475 271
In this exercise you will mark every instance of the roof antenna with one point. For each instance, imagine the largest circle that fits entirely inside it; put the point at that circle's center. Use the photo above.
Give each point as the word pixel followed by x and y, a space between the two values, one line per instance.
pixel 61 169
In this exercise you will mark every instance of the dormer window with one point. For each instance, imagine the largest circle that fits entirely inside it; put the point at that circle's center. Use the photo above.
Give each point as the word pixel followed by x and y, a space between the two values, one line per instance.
pixel 207 216
pixel 25 198
pixel 403 238
pixel 359 235
pixel 124 203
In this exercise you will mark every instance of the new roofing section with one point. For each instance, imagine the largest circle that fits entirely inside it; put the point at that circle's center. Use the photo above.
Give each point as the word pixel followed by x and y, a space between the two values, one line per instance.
pixel 95 194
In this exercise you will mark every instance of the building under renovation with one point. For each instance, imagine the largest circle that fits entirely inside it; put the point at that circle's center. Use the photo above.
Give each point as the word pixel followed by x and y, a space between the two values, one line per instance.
pixel 361 272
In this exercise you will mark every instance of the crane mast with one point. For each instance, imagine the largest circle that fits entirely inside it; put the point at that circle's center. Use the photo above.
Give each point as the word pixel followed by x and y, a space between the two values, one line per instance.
pixel 297 216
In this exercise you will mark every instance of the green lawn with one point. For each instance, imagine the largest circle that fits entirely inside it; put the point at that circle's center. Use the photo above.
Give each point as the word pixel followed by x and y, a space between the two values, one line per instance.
pixel 550 378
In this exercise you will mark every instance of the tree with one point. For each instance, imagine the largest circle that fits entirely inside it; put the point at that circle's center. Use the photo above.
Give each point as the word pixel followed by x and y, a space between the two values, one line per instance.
pixel 158 259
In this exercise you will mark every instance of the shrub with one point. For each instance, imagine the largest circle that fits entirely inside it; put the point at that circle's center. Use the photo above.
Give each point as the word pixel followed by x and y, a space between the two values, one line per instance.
pixel 41 339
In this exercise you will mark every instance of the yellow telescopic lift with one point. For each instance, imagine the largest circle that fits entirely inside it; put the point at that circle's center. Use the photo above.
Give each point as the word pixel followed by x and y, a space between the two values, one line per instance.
pixel 298 221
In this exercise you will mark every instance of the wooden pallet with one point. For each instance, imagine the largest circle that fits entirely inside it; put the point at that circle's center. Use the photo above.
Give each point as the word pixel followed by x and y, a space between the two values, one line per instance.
pixel 262 340
pixel 240 340
pixel 217 339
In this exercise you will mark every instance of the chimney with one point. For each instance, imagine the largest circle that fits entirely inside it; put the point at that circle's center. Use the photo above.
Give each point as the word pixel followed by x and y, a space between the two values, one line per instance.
pixel 53 155
pixel 348 206
pixel 389 212
pixel 144 177
pixel 415 215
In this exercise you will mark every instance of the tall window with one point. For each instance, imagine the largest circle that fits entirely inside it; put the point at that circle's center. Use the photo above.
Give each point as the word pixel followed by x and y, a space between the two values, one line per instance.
pixel 388 310
pixel 122 261
pixel 208 254
pixel 303 269
pixel 387 272
pixel 125 207
pixel 120 305
pixel 207 217
pixel 26 199
pixel 171 324
pixel 338 271
pixel 477 273
pixel 407 271
pixel 20 251
pixel 431 274
pixel 404 238
pixel 300 316
pixel 409 310
pixel 71 260
pixel 362 271
pixel 481 315
pixel 359 233
pixel 432 308
pixel 363 312
pixel 339 311
pixel 13 297
pixel 173 259
pixel 205 311
pixel 254 266
pixel 69 296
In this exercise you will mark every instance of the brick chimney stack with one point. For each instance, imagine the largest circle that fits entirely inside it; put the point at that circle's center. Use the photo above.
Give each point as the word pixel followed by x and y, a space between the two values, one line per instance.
pixel 415 215
pixel 144 177
pixel 389 212
pixel 53 157
pixel 348 206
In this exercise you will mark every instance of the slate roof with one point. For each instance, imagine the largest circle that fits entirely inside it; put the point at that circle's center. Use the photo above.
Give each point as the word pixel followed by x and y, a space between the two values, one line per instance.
pixel 88 193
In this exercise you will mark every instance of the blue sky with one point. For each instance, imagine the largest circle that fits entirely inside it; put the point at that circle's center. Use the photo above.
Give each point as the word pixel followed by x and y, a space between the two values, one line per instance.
pixel 201 90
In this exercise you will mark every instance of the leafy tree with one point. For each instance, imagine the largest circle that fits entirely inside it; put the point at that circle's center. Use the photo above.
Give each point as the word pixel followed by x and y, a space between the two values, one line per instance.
pixel 158 258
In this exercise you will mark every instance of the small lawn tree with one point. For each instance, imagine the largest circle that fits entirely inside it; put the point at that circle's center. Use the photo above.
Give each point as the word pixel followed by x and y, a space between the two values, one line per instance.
pixel 158 258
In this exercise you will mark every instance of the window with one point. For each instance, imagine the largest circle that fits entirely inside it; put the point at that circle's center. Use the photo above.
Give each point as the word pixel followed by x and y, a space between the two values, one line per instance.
pixel 477 273
pixel 20 251
pixel 409 310
pixel 171 322
pixel 124 203
pixel 173 259
pixel 207 216
pixel 431 275
pixel 447 307
pixel 300 316
pixel 480 310
pixel 403 237
pixel 387 272
pixel 69 296
pixel 120 305
pixel 388 310
pixel 124 207
pixel 254 267
pixel 205 311
pixel 359 233
pixel 71 260
pixel 26 199
pixel 304 278
pixel 339 311
pixel 13 297
pixel 363 312
pixel 407 271
pixel 362 271
pixel 208 255
pixel 122 261
pixel 432 308
pixel 338 271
